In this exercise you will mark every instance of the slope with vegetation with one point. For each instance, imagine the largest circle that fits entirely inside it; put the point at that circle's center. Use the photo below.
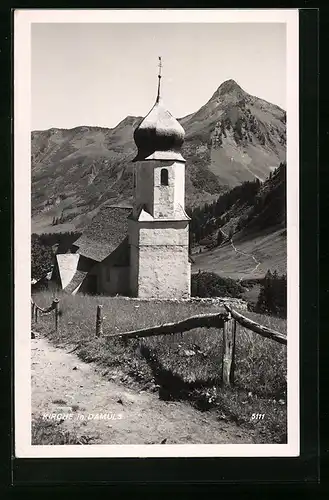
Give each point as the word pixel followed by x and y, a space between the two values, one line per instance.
pixel 243 227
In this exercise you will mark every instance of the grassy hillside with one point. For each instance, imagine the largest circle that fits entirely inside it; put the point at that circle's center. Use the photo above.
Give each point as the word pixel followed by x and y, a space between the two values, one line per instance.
pixel 269 249
pixel 243 233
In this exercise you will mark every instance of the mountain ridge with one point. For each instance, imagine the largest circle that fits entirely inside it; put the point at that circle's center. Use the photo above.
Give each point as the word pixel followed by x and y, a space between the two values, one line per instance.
pixel 234 137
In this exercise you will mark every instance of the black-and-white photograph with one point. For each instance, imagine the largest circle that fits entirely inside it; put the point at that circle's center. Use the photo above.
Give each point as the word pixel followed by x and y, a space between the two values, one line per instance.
pixel 160 291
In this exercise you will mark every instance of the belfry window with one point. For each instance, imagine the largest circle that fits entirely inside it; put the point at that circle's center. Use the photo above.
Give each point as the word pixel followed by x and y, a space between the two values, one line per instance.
pixel 164 177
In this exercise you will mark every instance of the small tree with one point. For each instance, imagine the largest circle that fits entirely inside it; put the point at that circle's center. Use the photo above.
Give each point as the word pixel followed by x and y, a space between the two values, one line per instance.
pixel 220 238
pixel 41 258
pixel 273 294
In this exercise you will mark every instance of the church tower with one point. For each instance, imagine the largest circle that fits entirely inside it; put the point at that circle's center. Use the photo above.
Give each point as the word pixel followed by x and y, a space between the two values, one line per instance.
pixel 159 225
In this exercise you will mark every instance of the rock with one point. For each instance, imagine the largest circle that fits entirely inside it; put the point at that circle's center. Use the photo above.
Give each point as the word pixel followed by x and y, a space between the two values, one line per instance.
pixel 120 401
pixel 74 368
pixel 188 352
pixel 155 387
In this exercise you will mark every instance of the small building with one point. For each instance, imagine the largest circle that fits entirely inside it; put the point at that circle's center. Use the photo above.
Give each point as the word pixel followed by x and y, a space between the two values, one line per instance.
pixel 141 251
pixel 98 261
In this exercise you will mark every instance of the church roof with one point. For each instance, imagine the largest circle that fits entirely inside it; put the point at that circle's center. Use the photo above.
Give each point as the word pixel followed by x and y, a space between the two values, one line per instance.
pixel 159 136
pixel 120 257
pixel 76 281
pixel 104 233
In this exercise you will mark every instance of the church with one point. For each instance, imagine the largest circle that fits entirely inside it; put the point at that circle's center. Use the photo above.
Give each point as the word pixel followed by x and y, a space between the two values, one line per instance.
pixel 139 251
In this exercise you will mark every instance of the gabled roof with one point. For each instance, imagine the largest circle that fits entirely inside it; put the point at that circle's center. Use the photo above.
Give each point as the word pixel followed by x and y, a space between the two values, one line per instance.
pixel 120 256
pixel 104 233
pixel 76 281
pixel 67 266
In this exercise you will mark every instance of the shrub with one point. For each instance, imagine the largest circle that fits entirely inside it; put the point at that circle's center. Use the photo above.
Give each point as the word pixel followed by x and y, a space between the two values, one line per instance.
pixel 273 295
pixel 206 284
pixel 41 258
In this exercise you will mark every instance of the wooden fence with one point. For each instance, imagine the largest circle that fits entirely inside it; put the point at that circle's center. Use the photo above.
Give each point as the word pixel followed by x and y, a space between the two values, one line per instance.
pixel 36 310
pixel 225 320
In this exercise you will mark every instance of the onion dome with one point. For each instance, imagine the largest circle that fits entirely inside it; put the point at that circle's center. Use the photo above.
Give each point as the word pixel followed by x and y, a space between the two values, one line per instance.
pixel 159 136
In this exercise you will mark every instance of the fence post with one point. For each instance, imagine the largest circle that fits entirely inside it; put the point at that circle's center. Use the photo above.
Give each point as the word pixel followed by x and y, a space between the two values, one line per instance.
pixel 56 302
pixel 99 321
pixel 33 311
pixel 233 352
pixel 228 351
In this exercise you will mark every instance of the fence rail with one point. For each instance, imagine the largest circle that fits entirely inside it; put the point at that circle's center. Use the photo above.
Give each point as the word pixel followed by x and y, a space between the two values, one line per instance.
pixel 264 331
pixel 225 321
pixel 202 321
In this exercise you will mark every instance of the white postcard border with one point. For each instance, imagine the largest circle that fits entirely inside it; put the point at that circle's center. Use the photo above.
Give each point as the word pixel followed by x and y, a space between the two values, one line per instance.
pixel 22 228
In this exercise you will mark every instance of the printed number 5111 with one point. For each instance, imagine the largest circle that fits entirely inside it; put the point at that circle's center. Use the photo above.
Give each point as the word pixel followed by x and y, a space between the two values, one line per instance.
pixel 258 416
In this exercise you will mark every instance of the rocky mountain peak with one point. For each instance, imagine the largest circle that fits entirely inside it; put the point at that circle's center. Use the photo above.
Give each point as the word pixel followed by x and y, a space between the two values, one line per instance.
pixel 229 89
pixel 229 86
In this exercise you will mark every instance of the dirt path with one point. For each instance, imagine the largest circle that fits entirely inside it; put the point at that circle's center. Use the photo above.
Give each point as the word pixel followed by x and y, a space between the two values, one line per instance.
pixel 62 384
pixel 257 263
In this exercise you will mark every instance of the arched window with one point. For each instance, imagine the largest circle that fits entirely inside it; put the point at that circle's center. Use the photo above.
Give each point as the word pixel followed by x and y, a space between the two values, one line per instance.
pixel 164 177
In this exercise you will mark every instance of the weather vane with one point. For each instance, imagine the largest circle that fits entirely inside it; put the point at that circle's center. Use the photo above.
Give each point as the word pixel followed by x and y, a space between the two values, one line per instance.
pixel 159 76
pixel 160 66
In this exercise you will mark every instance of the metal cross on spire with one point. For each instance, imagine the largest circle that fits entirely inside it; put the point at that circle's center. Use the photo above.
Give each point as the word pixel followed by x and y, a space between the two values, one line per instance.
pixel 160 66
pixel 159 77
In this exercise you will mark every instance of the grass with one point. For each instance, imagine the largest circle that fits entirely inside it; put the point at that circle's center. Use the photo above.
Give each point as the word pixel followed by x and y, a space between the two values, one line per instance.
pixel 184 366
pixel 46 432
pixel 269 249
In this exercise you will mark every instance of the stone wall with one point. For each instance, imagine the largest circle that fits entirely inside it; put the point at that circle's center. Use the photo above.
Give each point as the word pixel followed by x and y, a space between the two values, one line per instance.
pixel 164 233
pixel 167 198
pixel 220 301
pixel 134 270
pixel 164 272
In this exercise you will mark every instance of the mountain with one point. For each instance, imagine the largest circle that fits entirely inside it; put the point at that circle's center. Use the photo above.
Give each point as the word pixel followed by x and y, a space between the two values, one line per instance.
pixel 233 138
pixel 245 136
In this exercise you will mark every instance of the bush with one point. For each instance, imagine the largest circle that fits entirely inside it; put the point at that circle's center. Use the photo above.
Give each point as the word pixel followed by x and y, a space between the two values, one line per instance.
pixel 273 295
pixel 41 258
pixel 211 285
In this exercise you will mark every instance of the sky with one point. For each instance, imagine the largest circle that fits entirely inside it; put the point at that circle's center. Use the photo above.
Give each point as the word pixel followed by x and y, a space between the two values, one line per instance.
pixel 97 74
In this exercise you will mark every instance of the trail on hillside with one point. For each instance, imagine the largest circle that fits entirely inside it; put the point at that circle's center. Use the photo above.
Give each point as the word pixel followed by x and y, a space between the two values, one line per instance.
pixel 64 385
pixel 257 262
